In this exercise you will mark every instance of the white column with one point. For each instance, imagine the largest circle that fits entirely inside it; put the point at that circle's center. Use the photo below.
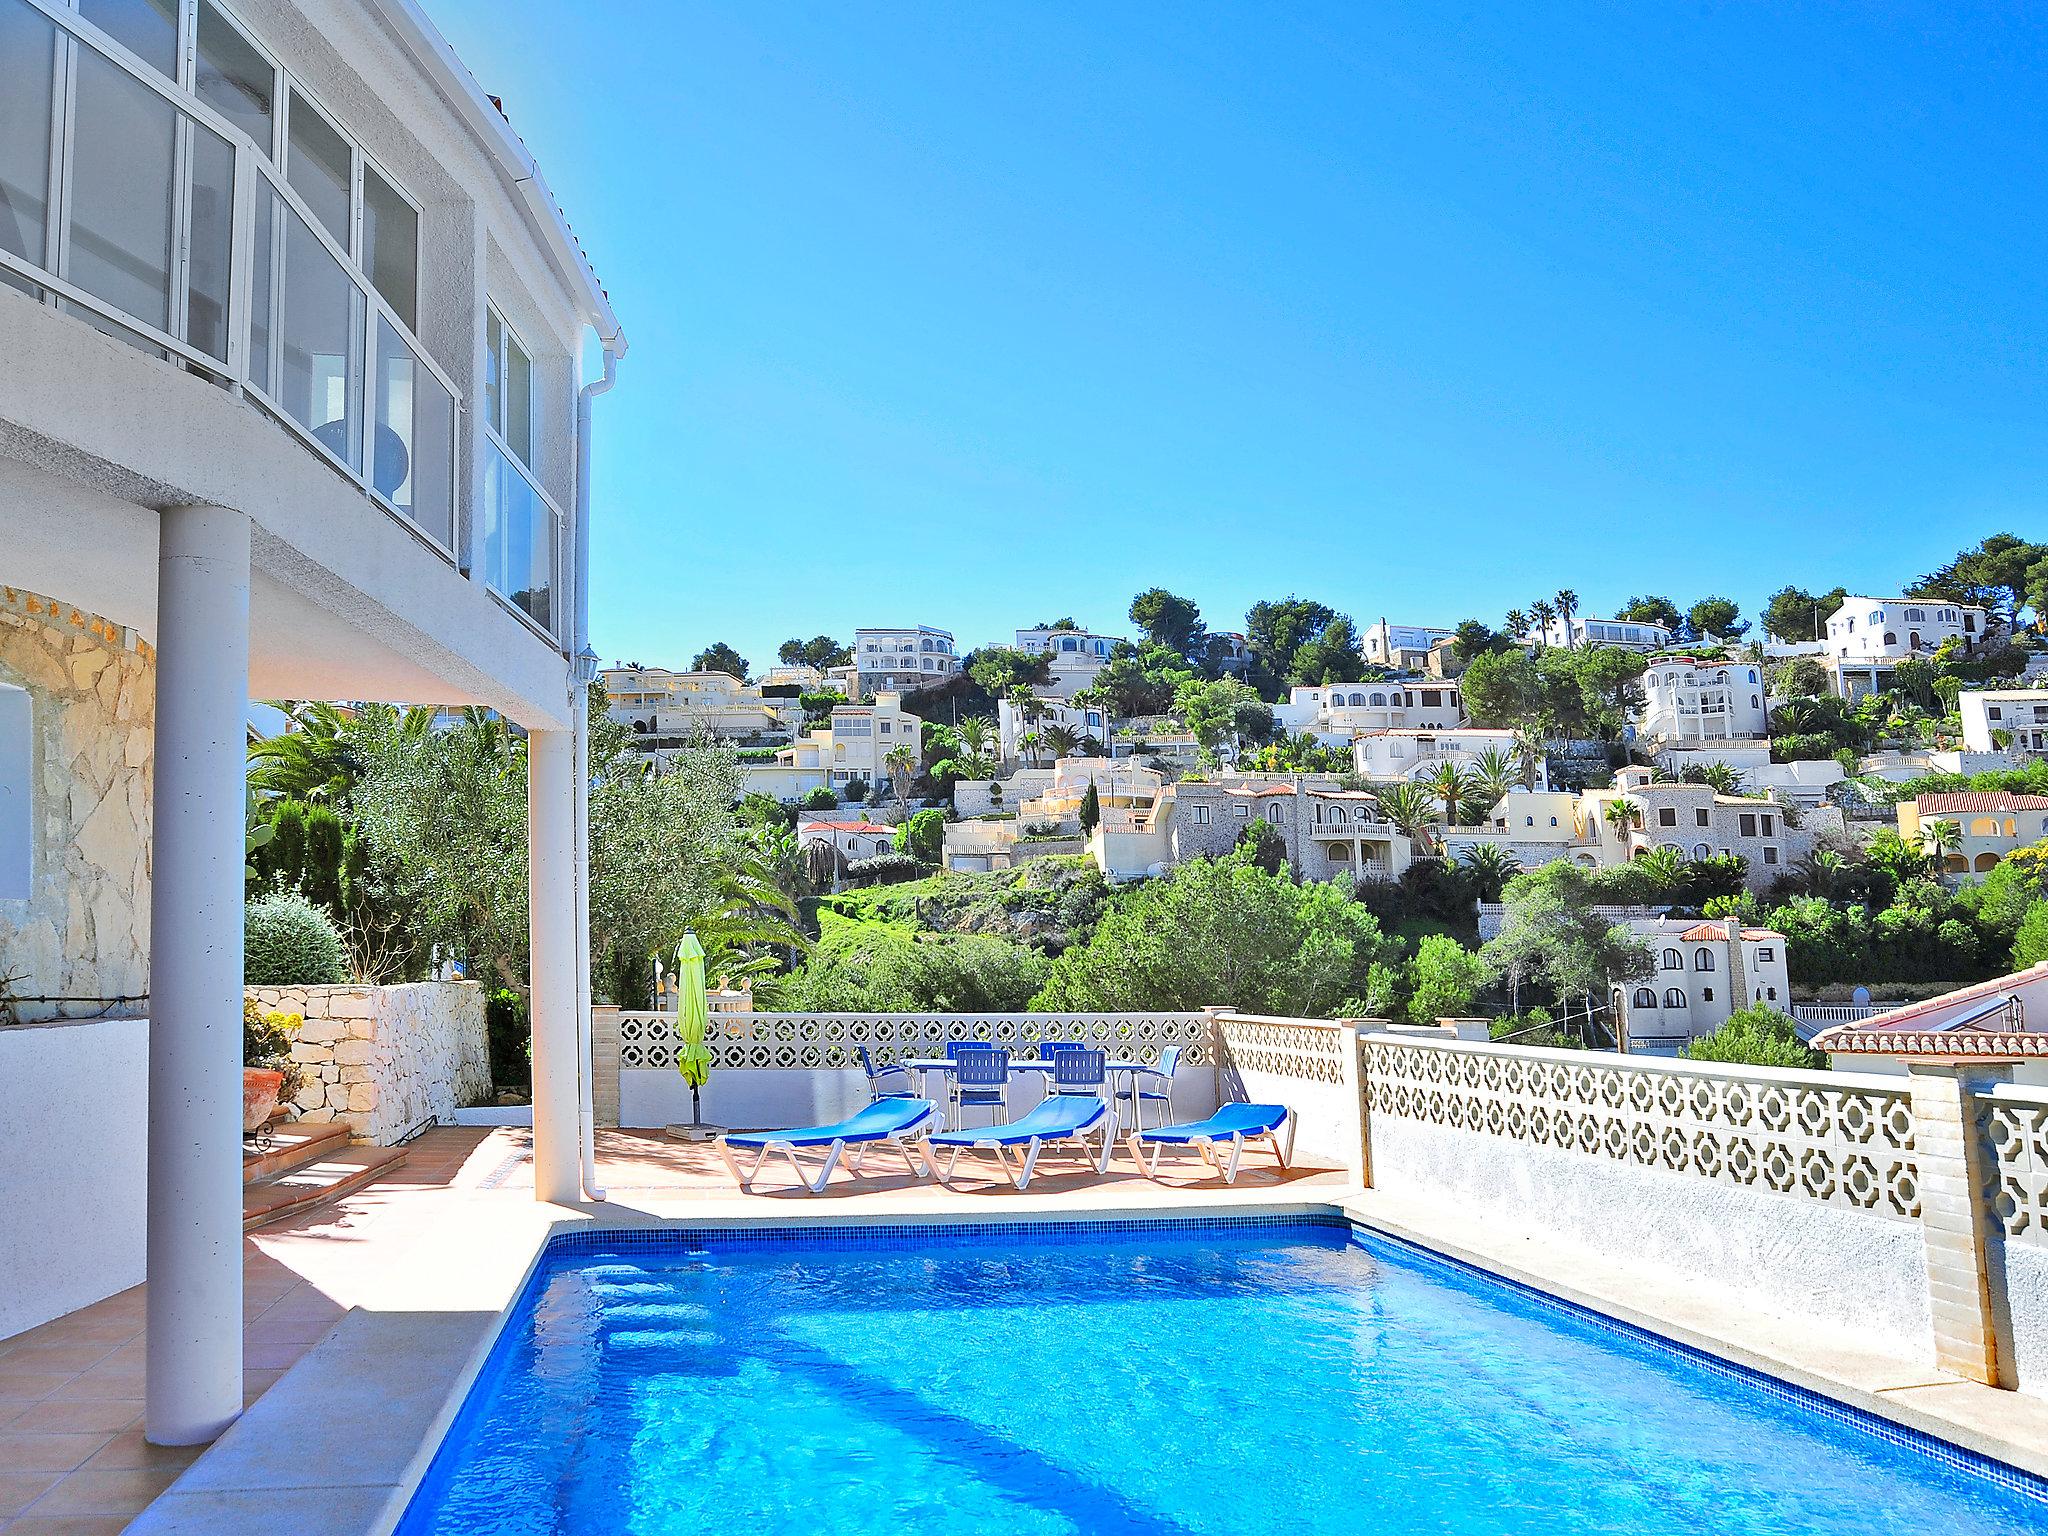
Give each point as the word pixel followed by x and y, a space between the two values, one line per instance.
pixel 194 1234
pixel 551 876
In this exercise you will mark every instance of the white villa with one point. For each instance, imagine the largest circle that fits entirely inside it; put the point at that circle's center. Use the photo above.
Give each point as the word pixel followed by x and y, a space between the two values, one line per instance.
pixel 1414 754
pixel 1869 636
pixel 1334 713
pixel 848 840
pixel 1078 656
pixel 901 660
pixel 1625 634
pixel 854 746
pixel 1706 970
pixel 295 401
pixel 1404 647
pixel 2019 716
pixel 667 709
pixel 1690 700
pixel 1016 719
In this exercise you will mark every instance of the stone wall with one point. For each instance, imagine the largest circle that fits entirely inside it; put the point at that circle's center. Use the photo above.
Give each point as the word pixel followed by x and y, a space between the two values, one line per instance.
pixel 385 1059
pixel 84 930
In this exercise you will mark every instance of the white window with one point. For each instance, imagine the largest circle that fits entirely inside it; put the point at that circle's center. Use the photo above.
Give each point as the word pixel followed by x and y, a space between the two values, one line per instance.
pixel 508 387
pixel 1273 814
pixel 1241 812
pixel 16 769
pixel 1201 815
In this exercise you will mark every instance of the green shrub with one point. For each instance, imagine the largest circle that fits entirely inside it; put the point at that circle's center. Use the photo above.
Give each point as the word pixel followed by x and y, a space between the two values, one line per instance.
pixel 289 942
pixel 1757 1037
pixel 821 799
pixel 510 1039
pixel 923 837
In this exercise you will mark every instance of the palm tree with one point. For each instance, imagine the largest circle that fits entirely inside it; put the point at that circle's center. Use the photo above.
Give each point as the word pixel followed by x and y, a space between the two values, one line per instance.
pixel 1665 866
pixel 1518 623
pixel 1567 604
pixel 1452 786
pixel 1723 777
pixel 1822 870
pixel 1494 773
pixel 1624 815
pixel 1029 743
pixel 1409 807
pixel 1942 838
pixel 1061 738
pixel 901 766
pixel 1491 867
pixel 1541 613
pixel 976 733
pixel 1529 754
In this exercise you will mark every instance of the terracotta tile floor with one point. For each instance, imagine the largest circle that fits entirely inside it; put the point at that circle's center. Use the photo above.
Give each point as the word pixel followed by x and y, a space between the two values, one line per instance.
pixel 72 1458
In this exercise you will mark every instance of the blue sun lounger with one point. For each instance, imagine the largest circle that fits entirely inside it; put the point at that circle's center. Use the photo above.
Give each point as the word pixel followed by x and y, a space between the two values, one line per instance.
pixel 898 1122
pixel 1063 1117
pixel 1234 1123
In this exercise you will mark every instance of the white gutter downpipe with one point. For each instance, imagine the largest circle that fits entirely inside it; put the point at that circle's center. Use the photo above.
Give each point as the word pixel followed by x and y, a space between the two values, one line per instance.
pixel 579 705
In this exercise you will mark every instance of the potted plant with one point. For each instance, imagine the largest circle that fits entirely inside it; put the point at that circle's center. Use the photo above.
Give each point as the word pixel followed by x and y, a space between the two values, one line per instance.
pixel 268 1072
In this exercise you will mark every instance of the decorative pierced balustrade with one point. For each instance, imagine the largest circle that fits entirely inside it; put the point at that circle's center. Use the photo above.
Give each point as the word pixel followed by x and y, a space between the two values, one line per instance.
pixel 1821 1136
pixel 2016 1124
pixel 826 1041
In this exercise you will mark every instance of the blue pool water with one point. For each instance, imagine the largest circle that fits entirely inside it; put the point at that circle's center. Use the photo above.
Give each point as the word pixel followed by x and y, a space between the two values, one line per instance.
pixel 1197 1381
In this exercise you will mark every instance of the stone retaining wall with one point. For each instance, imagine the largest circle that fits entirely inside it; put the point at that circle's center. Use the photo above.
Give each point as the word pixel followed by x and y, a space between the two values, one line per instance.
pixel 384 1059
pixel 83 930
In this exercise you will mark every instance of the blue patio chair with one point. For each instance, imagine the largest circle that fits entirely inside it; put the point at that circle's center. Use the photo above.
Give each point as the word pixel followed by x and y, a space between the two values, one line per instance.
pixel 1151 1085
pixel 1078 1070
pixel 897 1122
pixel 1064 1117
pixel 981 1080
pixel 881 1079
pixel 1233 1123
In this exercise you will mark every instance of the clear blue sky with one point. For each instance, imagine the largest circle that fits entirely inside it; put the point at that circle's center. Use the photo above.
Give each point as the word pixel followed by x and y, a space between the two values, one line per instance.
pixel 975 314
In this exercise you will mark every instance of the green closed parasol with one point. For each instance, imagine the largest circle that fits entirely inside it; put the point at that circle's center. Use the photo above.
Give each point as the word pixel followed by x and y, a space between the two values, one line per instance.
pixel 693 1022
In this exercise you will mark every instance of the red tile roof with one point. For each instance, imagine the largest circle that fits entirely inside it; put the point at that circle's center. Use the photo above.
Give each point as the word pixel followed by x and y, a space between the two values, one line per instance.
pixel 1980 800
pixel 845 826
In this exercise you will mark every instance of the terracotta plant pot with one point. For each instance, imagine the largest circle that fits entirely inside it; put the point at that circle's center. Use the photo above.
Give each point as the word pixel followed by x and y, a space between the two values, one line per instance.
pixel 259 1096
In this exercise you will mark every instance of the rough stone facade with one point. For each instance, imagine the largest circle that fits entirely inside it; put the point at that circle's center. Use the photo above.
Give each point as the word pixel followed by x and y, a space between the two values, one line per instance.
pixel 385 1059
pixel 83 932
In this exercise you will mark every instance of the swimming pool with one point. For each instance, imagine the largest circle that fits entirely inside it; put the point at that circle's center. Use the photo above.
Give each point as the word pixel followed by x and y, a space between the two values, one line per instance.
pixel 1199 1379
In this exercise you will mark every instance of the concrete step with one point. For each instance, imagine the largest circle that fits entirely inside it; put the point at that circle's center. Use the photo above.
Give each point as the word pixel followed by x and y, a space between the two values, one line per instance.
pixel 291 1144
pixel 328 1177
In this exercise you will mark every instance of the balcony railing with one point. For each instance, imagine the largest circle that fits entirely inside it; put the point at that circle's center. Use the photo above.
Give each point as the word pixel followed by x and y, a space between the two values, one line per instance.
pixel 130 203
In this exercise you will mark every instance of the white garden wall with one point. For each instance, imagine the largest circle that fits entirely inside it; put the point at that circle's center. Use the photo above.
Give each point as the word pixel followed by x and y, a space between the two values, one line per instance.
pixel 74 1101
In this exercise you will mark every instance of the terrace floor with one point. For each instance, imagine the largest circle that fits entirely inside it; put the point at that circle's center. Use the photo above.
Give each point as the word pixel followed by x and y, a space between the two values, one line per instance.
pixel 72 1458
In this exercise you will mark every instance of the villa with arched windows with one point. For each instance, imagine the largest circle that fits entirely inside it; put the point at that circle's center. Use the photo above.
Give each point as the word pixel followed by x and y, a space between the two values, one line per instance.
pixel 1701 972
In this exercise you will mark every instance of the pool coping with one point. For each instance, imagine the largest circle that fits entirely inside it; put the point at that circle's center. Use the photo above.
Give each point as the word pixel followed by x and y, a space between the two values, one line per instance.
pixel 341 1443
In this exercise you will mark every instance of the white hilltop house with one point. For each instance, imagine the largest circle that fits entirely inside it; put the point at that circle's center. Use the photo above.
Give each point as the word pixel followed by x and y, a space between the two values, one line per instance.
pixel 1688 700
pixel 901 660
pixel 1015 719
pixel 1334 713
pixel 1403 647
pixel 1077 657
pixel 2019 717
pixel 295 401
pixel 1706 969
pixel 1867 637
pixel 1624 634
pixel 1415 754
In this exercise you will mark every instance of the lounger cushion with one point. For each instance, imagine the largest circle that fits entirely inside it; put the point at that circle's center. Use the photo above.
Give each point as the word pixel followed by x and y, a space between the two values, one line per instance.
pixel 1230 1120
pixel 878 1122
pixel 1064 1114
